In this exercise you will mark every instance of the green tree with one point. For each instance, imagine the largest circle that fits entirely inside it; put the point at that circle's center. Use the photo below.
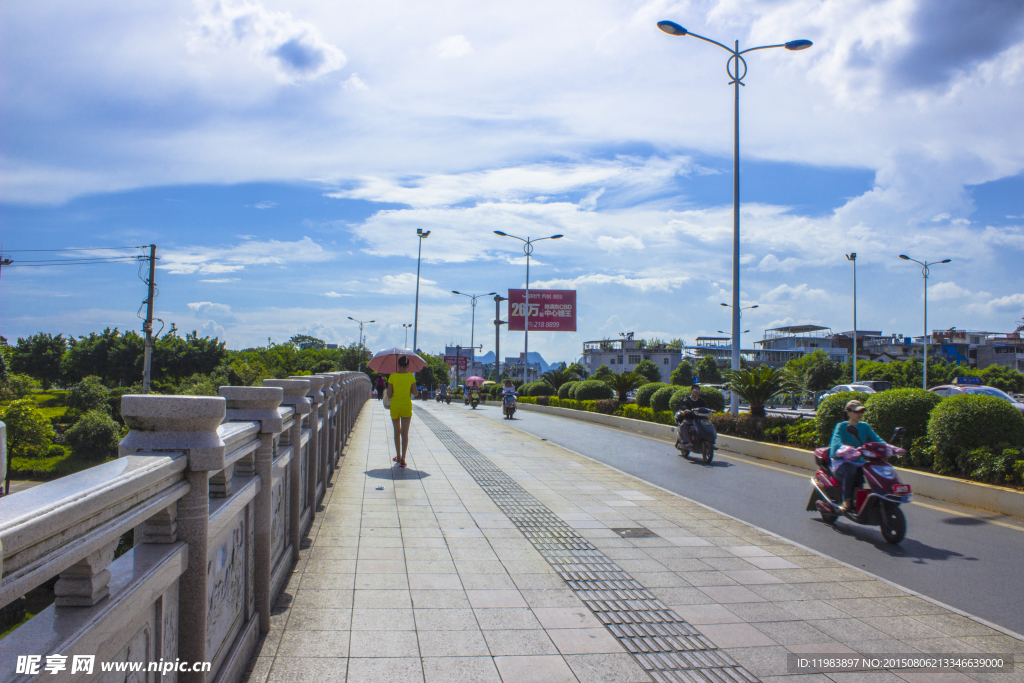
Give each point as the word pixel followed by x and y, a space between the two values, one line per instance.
pixel 94 437
pixel 19 386
pixel 757 386
pixel 556 378
pixel 676 344
pixel 648 369
pixel 304 342
pixel 602 372
pixel 683 374
pixel 89 394
pixel 624 383
pixel 39 356
pixel 29 434
pixel 708 371
pixel 578 370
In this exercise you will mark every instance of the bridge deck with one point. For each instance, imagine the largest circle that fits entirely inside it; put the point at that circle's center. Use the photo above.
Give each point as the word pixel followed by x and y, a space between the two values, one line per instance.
pixel 497 556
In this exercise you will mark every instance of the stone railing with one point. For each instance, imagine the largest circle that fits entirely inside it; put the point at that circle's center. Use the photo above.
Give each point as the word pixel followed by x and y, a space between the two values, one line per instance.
pixel 218 491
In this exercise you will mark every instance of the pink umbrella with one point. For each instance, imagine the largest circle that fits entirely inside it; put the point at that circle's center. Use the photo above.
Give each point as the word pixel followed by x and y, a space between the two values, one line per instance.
pixel 386 361
pixel 474 381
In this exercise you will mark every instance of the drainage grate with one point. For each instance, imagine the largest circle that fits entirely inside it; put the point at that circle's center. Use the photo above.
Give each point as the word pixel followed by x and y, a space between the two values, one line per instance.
pixel 667 647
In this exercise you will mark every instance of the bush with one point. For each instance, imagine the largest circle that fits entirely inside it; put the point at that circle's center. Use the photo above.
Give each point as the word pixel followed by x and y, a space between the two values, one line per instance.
pixel 661 397
pixel 649 369
pixel 676 402
pixel 963 423
pixel 831 412
pixel 543 400
pixel 644 393
pixel 563 391
pixel 664 417
pixel 19 386
pixel 635 412
pixel 537 389
pixel 920 454
pixel 907 408
pixel 94 437
pixel 998 466
pixel 593 390
pixel 714 398
pixel 589 406
pixel 607 406
pixel 683 374
pixel 29 434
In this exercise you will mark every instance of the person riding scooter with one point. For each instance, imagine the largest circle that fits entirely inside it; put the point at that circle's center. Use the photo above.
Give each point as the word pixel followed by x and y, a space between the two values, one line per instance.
pixel 685 414
pixel 849 471
pixel 508 393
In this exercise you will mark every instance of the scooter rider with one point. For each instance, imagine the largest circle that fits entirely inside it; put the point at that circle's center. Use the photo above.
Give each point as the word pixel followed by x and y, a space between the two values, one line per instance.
pixel 508 389
pixel 686 410
pixel 848 471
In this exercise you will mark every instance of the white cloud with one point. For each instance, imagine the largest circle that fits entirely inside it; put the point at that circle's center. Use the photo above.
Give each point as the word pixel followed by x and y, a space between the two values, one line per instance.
pixel 771 263
pixel 210 260
pixel 453 47
pixel 221 280
pixel 207 308
pixel 331 294
pixel 614 245
pixel 264 205
pixel 1009 304
pixel 643 284
pixel 944 291
pixel 355 84
pixel 785 293
pixel 404 284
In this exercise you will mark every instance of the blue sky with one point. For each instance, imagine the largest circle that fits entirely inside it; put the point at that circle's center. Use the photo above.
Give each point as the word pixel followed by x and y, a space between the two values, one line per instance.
pixel 282 156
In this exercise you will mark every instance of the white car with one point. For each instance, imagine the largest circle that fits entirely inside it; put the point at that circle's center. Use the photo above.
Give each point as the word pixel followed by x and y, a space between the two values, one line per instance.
pixel 976 390
pixel 862 388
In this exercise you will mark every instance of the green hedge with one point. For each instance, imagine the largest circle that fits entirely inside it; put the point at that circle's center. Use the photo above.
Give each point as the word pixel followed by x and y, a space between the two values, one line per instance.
pixel 960 424
pixel 563 391
pixel 661 397
pixel 593 390
pixel 907 408
pixel 831 412
pixel 635 412
pixel 644 393
pixel 676 402
pixel 714 398
pixel 536 389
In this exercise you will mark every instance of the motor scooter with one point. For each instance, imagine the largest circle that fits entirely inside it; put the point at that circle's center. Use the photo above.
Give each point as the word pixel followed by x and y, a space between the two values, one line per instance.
pixel 474 398
pixel 879 504
pixel 508 405
pixel 437 395
pixel 702 435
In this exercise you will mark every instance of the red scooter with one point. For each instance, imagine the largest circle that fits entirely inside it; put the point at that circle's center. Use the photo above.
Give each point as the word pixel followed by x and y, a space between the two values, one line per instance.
pixel 878 505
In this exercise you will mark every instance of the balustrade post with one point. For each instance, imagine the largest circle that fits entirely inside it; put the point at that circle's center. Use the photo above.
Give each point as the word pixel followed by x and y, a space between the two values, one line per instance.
pixel 325 434
pixel 189 424
pixel 295 391
pixel 316 399
pixel 260 404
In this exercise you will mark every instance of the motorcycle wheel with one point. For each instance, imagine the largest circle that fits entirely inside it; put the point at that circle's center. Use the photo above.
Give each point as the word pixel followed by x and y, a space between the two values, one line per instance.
pixel 707 451
pixel 894 524
pixel 828 517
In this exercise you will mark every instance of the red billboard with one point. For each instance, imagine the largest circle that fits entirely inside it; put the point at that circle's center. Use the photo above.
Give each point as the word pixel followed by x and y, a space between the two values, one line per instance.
pixel 463 361
pixel 552 310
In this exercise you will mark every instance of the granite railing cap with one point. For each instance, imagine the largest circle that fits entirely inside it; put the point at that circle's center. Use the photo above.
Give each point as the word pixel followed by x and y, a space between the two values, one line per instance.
pixel 294 393
pixel 315 382
pixel 255 403
pixel 175 423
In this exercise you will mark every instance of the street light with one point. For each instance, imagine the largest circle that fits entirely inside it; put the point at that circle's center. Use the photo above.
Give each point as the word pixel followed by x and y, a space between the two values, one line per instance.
pixel 498 322
pixel 406 326
pixel 472 328
pixel 361 323
pixel 527 249
pixel 416 316
pixel 852 258
pixel 732 67
pixel 925 272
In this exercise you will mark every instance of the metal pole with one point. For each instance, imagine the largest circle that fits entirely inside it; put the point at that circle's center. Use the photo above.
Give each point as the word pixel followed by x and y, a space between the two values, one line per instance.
pixel 147 326
pixel 734 402
pixel 416 315
pixel 853 258
pixel 526 328
pixel 924 380
pixel 497 335
pixel 472 329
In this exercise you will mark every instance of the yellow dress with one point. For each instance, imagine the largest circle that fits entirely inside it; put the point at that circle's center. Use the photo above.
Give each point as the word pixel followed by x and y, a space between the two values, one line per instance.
pixel 401 401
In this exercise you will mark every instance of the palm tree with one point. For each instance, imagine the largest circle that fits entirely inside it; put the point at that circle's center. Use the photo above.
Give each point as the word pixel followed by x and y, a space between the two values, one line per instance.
pixel 557 378
pixel 758 385
pixel 624 383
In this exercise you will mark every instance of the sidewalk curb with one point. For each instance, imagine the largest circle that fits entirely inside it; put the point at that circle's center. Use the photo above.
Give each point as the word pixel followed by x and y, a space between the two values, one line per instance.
pixel 987 497
pixel 908 591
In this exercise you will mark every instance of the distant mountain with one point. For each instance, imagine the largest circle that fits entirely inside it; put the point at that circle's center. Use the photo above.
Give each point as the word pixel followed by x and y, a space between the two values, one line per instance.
pixel 534 358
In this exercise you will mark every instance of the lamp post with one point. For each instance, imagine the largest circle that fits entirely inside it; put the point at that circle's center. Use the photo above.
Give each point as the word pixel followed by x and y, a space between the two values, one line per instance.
pixel 732 67
pixel 416 316
pixel 498 322
pixel 527 249
pixel 852 258
pixel 737 314
pixel 361 323
pixel 925 272
pixel 472 327
pixel 406 326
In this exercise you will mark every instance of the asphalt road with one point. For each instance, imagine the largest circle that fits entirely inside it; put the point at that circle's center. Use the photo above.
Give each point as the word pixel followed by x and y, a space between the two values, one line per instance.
pixel 965 558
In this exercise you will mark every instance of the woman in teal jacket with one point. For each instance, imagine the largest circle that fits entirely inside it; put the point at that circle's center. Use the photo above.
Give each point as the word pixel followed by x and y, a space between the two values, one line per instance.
pixel 848 471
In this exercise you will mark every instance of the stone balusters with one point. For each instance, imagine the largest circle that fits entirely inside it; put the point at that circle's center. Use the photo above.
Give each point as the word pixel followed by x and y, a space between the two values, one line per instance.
pixel 183 423
pixel 316 399
pixel 260 404
pixel 295 391
pixel 325 432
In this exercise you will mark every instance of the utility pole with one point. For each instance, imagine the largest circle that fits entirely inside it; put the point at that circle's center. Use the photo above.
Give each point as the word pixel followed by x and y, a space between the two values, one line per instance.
pixel 852 258
pixel 498 322
pixel 147 326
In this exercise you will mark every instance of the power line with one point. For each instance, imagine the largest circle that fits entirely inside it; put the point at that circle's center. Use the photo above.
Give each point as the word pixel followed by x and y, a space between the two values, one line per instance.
pixel 24 251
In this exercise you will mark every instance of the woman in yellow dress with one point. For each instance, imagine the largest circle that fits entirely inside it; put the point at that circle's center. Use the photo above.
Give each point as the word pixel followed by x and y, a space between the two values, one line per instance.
pixel 401 391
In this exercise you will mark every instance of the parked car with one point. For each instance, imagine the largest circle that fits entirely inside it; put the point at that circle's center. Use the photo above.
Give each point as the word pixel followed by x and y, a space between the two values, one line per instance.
pixel 976 390
pixel 876 384
pixel 861 387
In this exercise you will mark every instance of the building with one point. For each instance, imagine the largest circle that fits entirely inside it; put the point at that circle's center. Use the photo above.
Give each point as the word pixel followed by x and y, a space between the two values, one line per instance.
pixel 1006 350
pixel 782 344
pixel 623 355
pixel 720 348
pixel 514 367
pixel 473 366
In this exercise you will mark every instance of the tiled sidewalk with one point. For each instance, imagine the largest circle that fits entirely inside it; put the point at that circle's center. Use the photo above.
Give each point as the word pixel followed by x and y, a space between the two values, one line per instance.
pixel 428 580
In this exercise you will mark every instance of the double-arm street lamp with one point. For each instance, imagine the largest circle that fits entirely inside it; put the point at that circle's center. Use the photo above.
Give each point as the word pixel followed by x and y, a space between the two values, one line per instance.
pixel 736 67
pixel 472 328
pixel 527 249
pixel 361 339
pixel 852 258
pixel 406 326
pixel 416 316
pixel 925 272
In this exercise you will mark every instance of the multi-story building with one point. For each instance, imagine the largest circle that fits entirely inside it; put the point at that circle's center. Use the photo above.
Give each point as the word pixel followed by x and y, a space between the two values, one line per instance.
pixel 514 367
pixel 623 355
pixel 782 344
pixel 1006 350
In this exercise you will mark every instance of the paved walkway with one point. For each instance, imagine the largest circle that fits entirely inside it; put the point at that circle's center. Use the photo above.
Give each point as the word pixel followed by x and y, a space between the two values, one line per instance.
pixel 500 557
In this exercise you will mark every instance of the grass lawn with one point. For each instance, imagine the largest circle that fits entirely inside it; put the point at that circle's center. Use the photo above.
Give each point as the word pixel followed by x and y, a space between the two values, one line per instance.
pixel 45 469
pixel 50 404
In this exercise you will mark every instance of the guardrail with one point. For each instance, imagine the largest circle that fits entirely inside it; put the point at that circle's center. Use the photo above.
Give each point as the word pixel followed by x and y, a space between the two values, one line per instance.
pixel 218 491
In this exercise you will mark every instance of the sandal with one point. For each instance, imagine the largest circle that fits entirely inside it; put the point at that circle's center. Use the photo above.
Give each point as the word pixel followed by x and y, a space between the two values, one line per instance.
pixel 394 459
pixel 402 464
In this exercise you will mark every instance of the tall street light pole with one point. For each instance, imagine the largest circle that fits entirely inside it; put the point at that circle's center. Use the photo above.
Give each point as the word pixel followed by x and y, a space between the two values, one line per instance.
pixel 406 326
pixel 733 68
pixel 416 316
pixel 527 249
pixel 498 322
pixel 736 343
pixel 361 339
pixel 925 272
pixel 852 258
pixel 472 328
